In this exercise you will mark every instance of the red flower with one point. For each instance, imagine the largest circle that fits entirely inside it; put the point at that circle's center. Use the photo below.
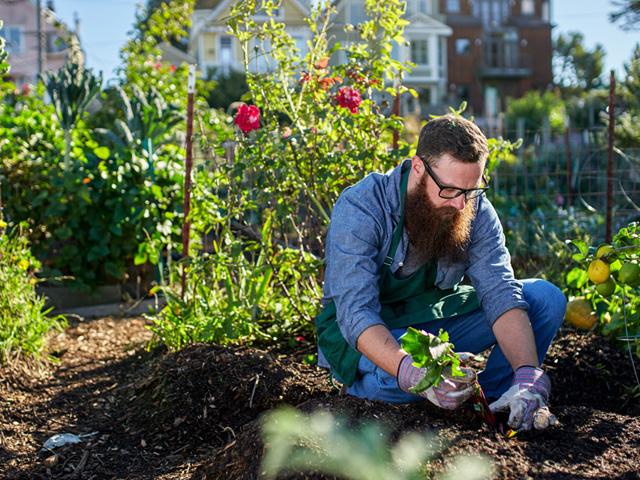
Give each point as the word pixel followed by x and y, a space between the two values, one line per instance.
pixel 172 68
pixel 300 338
pixel 248 118
pixel 350 98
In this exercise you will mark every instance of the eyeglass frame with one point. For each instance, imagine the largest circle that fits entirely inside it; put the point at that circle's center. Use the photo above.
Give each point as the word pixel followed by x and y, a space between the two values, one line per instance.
pixel 461 191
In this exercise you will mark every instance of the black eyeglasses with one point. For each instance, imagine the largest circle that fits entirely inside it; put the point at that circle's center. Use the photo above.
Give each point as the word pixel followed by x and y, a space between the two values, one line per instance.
pixel 449 192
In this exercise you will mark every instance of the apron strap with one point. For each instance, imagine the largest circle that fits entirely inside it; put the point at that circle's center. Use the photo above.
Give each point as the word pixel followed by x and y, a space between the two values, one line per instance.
pixel 397 233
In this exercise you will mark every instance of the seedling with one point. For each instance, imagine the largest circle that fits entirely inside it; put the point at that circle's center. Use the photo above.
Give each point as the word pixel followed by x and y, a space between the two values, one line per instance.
pixel 434 353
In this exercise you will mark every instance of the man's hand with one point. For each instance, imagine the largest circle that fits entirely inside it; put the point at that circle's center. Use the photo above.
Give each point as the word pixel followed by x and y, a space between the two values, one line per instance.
pixel 450 393
pixel 527 400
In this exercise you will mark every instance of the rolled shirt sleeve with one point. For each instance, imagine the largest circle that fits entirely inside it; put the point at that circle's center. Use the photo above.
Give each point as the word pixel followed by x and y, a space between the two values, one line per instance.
pixel 489 268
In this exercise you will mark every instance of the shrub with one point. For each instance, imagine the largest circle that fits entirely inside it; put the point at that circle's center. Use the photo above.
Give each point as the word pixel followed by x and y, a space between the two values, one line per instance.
pixel 24 323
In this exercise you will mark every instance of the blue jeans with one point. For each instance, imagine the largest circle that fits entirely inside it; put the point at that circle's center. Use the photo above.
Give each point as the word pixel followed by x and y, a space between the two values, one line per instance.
pixel 472 333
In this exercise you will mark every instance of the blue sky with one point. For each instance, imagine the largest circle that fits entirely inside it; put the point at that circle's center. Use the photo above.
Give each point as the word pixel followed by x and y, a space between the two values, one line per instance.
pixel 105 23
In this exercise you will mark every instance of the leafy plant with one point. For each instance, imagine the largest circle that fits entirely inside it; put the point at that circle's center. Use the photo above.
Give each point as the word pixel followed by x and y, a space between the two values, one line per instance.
pixel 609 279
pixel 321 443
pixel 71 89
pixel 434 354
pixel 4 65
pixel 24 322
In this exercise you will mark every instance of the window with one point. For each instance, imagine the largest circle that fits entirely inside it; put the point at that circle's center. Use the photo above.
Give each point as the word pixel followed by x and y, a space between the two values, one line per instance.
pixel 463 46
pixel 357 13
pixel 420 52
pixel 493 12
pixel 226 55
pixel 453 6
pixel 13 37
pixel 545 11
pixel 528 7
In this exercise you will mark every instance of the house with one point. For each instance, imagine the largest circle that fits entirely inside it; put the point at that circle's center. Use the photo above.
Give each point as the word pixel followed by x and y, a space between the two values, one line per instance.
pixel 219 52
pixel 498 49
pixel 20 31
pixel 425 46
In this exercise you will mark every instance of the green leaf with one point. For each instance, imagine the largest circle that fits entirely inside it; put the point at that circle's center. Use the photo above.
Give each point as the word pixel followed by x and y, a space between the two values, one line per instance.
pixel 102 153
pixel 577 277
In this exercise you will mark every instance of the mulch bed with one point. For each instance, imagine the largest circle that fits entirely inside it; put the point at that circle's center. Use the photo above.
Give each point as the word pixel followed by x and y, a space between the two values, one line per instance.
pixel 196 413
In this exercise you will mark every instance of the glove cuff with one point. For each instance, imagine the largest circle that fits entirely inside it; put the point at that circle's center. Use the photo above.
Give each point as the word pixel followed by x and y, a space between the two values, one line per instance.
pixel 408 375
pixel 534 379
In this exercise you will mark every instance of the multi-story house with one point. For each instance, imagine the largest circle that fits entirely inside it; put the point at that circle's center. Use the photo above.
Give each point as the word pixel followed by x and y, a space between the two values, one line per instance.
pixel 425 46
pixel 216 50
pixel 20 31
pixel 498 49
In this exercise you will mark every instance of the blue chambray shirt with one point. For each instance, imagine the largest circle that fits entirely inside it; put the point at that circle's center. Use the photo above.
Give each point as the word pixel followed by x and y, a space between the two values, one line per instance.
pixel 359 238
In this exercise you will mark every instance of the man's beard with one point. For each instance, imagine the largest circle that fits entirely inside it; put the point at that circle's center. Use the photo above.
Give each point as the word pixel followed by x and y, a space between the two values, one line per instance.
pixel 437 232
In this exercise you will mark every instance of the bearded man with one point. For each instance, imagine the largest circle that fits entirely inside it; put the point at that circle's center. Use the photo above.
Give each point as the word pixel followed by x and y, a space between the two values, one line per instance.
pixel 398 247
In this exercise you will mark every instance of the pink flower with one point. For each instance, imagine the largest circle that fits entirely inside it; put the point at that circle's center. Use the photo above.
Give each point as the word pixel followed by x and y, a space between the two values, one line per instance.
pixel 158 65
pixel 286 132
pixel 350 98
pixel 300 338
pixel 248 118
pixel 26 89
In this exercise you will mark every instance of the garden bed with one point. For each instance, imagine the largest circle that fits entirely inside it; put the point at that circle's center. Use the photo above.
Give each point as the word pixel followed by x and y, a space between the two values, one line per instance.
pixel 194 414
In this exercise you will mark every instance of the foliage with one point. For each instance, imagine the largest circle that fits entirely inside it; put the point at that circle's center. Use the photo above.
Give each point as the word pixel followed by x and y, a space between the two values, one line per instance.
pixel 86 221
pixel 321 443
pixel 117 199
pixel 267 206
pixel 585 109
pixel 24 323
pixel 627 124
pixel 230 87
pixel 534 108
pixel 434 354
pixel 4 65
pixel 71 89
pixel 627 13
pixel 576 67
pixel 618 308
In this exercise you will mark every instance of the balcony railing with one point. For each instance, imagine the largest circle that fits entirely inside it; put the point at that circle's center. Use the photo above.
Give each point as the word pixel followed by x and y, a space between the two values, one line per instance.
pixel 503 59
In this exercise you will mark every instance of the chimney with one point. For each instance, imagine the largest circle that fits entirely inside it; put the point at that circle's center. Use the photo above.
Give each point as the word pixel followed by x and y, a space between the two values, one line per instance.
pixel 50 5
pixel 76 23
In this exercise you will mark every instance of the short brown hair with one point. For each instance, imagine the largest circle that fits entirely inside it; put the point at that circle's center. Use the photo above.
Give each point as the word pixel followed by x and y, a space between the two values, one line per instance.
pixel 454 135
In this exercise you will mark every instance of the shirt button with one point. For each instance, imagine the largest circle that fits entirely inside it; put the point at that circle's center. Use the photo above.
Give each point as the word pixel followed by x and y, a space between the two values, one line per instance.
pixel 401 264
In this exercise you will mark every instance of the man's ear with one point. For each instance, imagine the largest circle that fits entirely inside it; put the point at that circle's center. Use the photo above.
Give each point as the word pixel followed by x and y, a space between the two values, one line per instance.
pixel 416 164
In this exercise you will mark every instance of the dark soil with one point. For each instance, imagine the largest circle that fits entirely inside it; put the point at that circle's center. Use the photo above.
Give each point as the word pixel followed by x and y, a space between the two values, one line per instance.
pixel 195 414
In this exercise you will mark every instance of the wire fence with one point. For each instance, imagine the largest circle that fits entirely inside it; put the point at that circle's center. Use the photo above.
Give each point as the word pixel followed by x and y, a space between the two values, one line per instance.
pixel 558 188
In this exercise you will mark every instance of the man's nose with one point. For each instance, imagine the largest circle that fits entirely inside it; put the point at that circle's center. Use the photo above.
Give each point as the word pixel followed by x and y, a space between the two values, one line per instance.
pixel 459 202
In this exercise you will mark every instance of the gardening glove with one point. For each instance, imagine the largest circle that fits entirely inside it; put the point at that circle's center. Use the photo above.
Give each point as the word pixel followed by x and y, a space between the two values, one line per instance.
pixel 449 394
pixel 527 400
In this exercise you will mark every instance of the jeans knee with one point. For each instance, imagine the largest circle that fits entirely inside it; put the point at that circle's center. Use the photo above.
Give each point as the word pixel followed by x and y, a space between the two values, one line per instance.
pixel 546 301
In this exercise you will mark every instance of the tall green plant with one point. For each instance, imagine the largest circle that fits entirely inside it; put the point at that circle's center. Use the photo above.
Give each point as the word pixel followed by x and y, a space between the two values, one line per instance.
pixel 71 89
pixel 24 322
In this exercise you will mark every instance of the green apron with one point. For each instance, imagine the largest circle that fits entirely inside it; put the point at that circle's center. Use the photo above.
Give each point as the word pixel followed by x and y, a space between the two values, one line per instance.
pixel 404 302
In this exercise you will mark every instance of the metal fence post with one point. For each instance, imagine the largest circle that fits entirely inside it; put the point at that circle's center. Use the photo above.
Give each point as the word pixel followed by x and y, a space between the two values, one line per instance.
pixel 612 124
